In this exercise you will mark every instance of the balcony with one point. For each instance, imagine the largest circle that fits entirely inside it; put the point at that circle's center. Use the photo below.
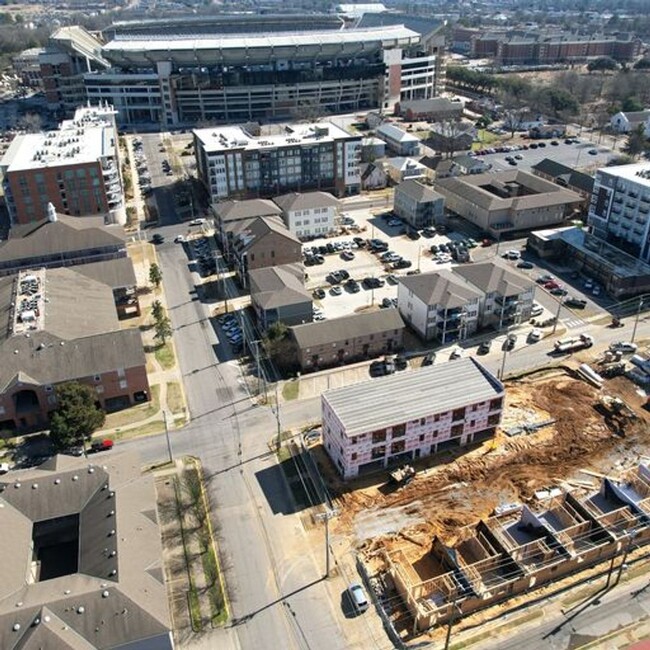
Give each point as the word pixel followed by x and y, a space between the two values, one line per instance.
pixel 507 301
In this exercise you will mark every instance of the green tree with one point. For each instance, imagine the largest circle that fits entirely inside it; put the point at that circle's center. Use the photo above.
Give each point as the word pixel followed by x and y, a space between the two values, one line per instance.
pixel 277 344
pixel 157 310
pixel 155 275
pixel 76 415
pixel 163 329
pixel 636 142
pixel 631 105
pixel 602 63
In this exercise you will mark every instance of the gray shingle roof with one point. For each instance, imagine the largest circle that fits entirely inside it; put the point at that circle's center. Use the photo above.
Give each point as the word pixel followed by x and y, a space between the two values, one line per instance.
pixel 257 229
pixel 278 286
pixel 440 288
pixel 235 210
pixel 490 277
pixel 572 177
pixel 395 133
pixel 386 401
pixel 417 191
pixel 67 234
pixel 433 105
pixel 89 608
pixel 346 327
pixel 117 274
pixel 305 201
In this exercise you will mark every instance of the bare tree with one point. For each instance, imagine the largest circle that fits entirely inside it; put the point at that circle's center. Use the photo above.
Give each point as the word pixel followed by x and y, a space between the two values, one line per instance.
pixel 512 120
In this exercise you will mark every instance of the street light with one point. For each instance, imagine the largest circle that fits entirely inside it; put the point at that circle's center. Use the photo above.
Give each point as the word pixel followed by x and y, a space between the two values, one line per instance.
pixel 636 319
pixel 326 516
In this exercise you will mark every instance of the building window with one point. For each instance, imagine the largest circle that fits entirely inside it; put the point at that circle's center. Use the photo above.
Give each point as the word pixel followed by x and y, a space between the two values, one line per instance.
pixel 421 437
pixel 378 452
pixel 493 419
pixel 353 457
pixel 423 421
pixel 379 436
pixel 496 404
pixel 458 414
pixel 398 447
pixel 49 389
pixel 97 378
pixel 355 440
pixel 399 430
pixel 123 384
pixel 457 430
pixel 436 417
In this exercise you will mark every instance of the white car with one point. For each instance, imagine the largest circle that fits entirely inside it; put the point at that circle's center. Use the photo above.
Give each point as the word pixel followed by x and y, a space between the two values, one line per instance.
pixel 456 353
pixel 197 222
pixel 535 335
pixel 512 255
pixel 537 310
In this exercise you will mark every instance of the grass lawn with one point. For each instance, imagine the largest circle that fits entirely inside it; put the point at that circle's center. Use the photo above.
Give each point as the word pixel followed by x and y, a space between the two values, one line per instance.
pixel 148 429
pixel 135 413
pixel 485 139
pixel 291 389
pixel 165 356
pixel 175 397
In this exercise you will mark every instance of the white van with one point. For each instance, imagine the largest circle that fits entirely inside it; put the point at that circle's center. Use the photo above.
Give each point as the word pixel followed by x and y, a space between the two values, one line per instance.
pixel 358 598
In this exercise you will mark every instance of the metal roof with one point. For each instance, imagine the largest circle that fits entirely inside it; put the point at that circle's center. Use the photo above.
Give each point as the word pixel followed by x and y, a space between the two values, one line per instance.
pixel 409 396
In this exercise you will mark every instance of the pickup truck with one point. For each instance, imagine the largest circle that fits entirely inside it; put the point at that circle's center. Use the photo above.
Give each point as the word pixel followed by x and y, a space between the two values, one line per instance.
pixel 101 445
pixel 565 346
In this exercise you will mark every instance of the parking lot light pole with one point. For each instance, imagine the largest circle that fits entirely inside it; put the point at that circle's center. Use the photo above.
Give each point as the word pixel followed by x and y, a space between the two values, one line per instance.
pixel 636 319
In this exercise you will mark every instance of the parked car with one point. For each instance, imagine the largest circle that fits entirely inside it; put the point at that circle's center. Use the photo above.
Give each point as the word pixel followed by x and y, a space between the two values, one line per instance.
pixel 319 294
pixel 347 255
pixel 484 348
pixel 535 335
pixel 626 347
pixel 537 310
pixel 510 341
pixel 543 279
pixel 358 598
pixel 456 352
pixel 101 445
pixel 157 239
pixel 412 234
pixel 576 303
pixel 511 255
pixel 558 291
pixel 336 291
pixel 525 265
pixel 429 359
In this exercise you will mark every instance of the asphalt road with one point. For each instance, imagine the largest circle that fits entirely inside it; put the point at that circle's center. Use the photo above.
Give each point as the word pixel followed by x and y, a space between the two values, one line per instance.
pixel 279 599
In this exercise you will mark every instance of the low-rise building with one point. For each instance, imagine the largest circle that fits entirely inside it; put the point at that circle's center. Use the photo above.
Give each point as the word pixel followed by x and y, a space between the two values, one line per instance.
pixel 373 177
pixel 508 201
pixel 418 205
pixel 261 242
pixel 337 341
pixel 626 122
pixel 471 165
pixel 430 110
pixel 400 142
pixel 439 306
pixel 278 295
pixel 412 415
pixel 81 559
pixel 566 176
pixel 76 168
pixel 507 296
pixel 64 343
pixel 372 148
pixel 400 169
pixel 450 137
pixel 308 214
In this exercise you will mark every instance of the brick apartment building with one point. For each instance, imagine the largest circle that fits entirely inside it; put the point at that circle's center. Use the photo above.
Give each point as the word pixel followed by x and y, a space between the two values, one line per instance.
pixel 76 168
pixel 391 420
pixel 65 343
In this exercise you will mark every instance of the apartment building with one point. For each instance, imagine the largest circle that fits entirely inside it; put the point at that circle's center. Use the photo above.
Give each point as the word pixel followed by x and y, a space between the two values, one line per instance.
pixel 439 306
pixel 64 343
pixel 232 163
pixel 400 142
pixel 347 339
pixel 418 205
pixel 76 168
pixel 508 201
pixel 413 415
pixel 261 242
pixel 308 214
pixel 429 110
pixel 620 208
pixel 565 176
pixel 507 296
pixel 278 295
pixel 240 67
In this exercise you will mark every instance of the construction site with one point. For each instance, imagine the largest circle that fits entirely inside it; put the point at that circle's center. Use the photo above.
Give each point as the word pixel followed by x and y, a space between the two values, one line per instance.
pixel 467 534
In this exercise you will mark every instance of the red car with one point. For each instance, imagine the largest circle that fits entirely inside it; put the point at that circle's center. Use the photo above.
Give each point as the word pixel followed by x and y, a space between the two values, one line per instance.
pixel 552 285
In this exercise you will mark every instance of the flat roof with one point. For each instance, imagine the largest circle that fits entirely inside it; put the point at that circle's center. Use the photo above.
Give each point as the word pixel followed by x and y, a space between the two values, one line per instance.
pixel 228 138
pixel 127 43
pixel 408 396
pixel 639 173
pixel 87 137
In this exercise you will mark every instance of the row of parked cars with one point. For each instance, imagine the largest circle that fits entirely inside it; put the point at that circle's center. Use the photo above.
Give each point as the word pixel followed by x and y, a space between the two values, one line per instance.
pixel 232 330
pixel 205 260
pixel 144 178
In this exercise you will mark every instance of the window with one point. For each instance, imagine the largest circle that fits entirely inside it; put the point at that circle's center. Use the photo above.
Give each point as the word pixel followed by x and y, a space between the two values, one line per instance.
pixel 493 419
pixel 123 384
pixel 458 414
pixel 399 430
pixel 353 456
pixel 398 447
pixel 421 437
pixel 423 421
pixel 379 436
pixel 378 452
pixel 457 430
pixel 436 417
pixel 496 403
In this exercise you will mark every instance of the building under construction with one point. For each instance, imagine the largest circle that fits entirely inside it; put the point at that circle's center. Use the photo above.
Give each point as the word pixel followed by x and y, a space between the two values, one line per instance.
pixel 524 548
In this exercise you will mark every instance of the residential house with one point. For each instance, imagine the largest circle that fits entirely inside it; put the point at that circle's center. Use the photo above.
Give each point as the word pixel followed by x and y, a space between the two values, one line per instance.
pixel 399 142
pixel 308 214
pixel 526 121
pixel 278 295
pixel 373 176
pixel 547 131
pixel 565 176
pixel 430 110
pixel 418 205
pixel 84 558
pixel 507 296
pixel 625 122
pixel 439 306
pixel 262 242
pixel 347 339
pixel 401 169
pixel 412 415
pixel 471 165
pixel 508 201
pixel 73 335
pixel 450 137
pixel 228 212
pixel 374 119
pixel 439 167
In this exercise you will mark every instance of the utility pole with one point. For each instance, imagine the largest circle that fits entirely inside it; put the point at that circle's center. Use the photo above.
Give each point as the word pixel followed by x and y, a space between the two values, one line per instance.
pixel 452 618
pixel 636 319
pixel 632 535
pixel 326 516
pixel 557 315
